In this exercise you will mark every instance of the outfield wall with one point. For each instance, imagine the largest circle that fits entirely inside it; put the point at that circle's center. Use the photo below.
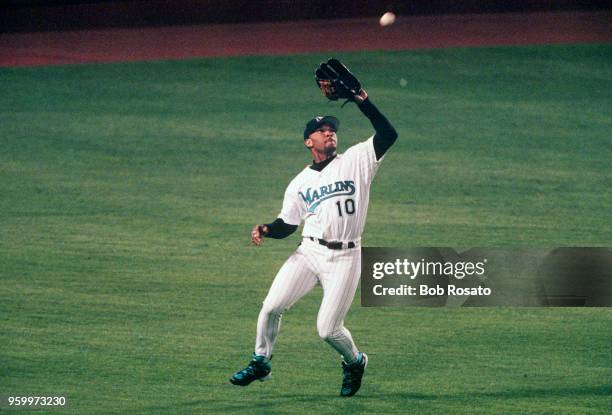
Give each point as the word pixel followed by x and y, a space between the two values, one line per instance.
pixel 56 15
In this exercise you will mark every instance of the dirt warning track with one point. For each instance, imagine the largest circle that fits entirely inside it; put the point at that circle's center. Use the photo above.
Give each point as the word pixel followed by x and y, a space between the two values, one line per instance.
pixel 409 32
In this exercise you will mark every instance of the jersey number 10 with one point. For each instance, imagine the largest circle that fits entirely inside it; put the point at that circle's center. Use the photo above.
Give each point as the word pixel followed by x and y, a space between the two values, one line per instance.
pixel 349 206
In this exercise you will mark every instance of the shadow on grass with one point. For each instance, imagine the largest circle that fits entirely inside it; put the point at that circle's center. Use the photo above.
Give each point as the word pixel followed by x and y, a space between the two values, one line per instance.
pixel 604 390
pixel 259 403
pixel 277 404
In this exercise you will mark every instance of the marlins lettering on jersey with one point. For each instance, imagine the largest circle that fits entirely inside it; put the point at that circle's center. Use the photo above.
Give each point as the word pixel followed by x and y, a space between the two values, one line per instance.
pixel 313 198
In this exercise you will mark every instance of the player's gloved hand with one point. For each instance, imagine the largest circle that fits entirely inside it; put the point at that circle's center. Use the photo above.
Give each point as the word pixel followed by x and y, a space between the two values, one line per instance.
pixel 337 82
pixel 258 232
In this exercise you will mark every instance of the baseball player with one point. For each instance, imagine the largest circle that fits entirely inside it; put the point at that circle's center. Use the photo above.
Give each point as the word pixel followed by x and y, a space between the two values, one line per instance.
pixel 331 196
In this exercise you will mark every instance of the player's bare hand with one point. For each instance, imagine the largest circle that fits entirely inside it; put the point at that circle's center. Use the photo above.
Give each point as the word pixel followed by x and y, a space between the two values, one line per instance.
pixel 363 95
pixel 257 233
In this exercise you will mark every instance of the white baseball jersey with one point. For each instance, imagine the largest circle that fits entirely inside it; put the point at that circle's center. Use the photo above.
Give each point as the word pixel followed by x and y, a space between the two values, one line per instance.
pixel 333 203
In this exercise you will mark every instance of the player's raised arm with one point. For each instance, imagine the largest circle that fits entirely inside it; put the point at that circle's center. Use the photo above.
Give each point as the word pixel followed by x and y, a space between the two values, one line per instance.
pixel 385 133
pixel 336 81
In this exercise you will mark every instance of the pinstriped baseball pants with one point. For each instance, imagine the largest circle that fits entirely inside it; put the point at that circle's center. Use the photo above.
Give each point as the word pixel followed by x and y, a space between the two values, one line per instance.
pixel 337 271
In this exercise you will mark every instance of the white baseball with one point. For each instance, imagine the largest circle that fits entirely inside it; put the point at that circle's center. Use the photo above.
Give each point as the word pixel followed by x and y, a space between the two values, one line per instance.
pixel 387 19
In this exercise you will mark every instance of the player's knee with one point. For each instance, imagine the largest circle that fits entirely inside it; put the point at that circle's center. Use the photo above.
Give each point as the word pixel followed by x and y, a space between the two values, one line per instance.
pixel 325 332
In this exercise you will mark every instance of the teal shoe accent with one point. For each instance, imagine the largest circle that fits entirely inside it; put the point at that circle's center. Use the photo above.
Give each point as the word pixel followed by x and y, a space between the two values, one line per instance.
pixel 259 368
pixel 352 375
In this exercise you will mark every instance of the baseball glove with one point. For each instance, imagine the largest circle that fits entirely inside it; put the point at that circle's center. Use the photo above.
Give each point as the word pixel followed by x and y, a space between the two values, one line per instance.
pixel 336 81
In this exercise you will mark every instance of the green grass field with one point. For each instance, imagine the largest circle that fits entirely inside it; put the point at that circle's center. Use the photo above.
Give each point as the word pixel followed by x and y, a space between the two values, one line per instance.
pixel 129 190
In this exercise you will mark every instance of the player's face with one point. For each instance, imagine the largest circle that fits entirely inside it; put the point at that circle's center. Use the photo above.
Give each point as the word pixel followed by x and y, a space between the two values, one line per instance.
pixel 324 141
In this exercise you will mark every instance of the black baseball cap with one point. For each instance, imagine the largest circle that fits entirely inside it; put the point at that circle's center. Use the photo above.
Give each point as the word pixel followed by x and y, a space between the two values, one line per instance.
pixel 318 121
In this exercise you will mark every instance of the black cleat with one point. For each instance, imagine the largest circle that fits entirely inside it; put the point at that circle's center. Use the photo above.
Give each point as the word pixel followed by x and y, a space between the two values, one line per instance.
pixel 258 369
pixel 352 374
